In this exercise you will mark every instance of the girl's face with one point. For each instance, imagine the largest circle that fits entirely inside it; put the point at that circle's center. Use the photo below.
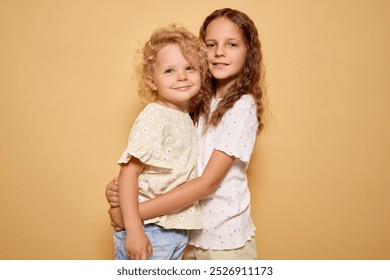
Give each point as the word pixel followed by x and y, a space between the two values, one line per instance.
pixel 226 50
pixel 174 78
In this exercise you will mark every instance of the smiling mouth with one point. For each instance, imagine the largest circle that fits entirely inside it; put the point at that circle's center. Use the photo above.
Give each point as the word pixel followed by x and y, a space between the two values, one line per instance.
pixel 182 87
pixel 219 65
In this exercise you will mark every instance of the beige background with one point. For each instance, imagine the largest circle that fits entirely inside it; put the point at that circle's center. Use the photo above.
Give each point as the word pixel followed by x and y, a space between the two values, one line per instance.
pixel 320 174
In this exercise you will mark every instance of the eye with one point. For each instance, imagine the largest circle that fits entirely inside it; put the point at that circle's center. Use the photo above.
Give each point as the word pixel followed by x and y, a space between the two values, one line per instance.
pixel 191 68
pixel 210 45
pixel 168 71
pixel 232 45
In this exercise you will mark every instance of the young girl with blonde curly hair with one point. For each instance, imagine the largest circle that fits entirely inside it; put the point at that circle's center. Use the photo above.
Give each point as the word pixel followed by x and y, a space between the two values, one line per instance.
pixel 162 146
pixel 228 120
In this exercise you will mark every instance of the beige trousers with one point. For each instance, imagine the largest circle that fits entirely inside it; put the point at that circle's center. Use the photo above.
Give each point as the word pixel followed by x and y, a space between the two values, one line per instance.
pixel 248 252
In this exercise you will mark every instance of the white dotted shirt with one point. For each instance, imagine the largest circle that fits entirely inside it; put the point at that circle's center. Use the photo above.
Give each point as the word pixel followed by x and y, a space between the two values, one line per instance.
pixel 166 141
pixel 225 215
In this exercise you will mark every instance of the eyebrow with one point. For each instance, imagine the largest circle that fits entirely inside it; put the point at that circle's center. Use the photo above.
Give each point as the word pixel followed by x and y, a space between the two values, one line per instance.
pixel 173 66
pixel 228 39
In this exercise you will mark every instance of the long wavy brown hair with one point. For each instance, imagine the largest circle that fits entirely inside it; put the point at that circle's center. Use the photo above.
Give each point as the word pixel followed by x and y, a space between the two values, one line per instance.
pixel 250 79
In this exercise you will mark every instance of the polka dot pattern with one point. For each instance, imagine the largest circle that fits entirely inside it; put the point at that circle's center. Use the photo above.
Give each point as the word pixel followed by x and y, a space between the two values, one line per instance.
pixel 226 213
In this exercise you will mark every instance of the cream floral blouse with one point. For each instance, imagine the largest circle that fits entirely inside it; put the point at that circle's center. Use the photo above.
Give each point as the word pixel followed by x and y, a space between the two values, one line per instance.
pixel 166 141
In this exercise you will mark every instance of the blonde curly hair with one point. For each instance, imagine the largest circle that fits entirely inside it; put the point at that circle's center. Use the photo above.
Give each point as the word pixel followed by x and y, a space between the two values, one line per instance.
pixel 192 50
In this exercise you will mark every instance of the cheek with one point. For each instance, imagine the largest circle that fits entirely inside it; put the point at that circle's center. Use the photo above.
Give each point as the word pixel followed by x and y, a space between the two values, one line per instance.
pixel 210 54
pixel 243 57
pixel 198 81
pixel 241 60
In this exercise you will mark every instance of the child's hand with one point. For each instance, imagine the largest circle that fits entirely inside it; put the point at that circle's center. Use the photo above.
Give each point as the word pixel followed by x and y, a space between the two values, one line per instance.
pixel 116 218
pixel 112 195
pixel 138 246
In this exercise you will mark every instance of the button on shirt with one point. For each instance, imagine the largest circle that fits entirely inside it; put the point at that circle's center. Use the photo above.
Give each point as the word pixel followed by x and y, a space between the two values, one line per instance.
pixel 225 214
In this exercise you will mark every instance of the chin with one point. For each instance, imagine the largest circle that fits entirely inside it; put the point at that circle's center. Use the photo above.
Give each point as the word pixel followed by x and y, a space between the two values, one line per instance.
pixel 220 76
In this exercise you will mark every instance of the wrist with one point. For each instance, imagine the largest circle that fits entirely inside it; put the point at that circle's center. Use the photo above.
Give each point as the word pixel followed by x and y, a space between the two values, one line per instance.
pixel 134 230
pixel 134 226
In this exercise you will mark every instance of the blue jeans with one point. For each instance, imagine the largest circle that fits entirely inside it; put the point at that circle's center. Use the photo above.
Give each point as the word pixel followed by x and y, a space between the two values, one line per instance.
pixel 168 244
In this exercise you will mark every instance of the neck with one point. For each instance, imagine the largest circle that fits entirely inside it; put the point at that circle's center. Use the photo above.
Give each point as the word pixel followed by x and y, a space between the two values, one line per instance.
pixel 222 87
pixel 179 107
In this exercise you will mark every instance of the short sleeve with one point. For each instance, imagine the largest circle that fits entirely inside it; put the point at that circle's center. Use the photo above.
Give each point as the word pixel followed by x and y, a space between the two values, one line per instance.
pixel 239 129
pixel 146 141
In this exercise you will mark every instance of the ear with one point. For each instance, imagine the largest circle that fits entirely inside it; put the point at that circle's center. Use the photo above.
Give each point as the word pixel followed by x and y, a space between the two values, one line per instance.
pixel 151 83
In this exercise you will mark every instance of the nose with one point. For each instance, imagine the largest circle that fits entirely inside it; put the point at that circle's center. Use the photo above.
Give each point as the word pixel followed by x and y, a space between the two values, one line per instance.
pixel 219 51
pixel 182 76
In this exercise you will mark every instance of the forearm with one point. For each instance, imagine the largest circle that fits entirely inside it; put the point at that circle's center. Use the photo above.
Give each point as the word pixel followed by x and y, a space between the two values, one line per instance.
pixel 128 196
pixel 129 207
pixel 191 191
pixel 178 198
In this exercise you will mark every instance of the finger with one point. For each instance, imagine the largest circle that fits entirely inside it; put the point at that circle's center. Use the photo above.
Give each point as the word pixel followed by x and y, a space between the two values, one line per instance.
pixel 150 250
pixel 131 256
pixel 113 196
pixel 144 256
pixel 114 204
pixel 115 181
pixel 112 192
pixel 112 186
pixel 113 199
pixel 116 227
